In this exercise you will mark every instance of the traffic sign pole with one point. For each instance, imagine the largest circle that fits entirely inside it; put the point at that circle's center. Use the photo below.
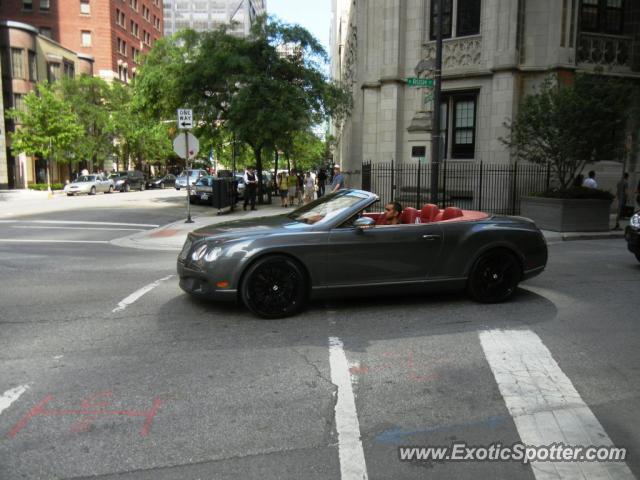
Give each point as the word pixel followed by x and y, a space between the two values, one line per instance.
pixel 188 164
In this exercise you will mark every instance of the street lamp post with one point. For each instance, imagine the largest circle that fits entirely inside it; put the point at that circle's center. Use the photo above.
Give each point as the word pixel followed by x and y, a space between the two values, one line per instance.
pixel 435 128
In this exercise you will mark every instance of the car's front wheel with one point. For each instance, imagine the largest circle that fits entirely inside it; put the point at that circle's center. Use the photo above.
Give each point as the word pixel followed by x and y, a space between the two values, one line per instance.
pixel 110 189
pixel 274 287
pixel 494 277
pixel 92 191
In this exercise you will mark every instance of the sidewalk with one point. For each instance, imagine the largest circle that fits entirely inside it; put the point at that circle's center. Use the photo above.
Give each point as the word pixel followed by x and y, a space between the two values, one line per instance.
pixel 171 237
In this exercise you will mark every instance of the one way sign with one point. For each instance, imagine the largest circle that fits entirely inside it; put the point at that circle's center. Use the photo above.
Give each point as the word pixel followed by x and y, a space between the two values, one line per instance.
pixel 185 118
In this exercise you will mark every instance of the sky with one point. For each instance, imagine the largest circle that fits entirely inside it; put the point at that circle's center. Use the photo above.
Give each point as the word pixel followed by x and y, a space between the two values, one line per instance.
pixel 314 15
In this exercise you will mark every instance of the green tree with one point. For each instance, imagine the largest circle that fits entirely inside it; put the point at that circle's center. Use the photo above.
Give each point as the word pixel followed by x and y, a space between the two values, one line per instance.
pixel 570 125
pixel 48 127
pixel 89 98
pixel 306 151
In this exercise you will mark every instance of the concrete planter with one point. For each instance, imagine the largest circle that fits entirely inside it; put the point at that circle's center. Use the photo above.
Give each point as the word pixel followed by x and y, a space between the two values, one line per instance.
pixel 567 215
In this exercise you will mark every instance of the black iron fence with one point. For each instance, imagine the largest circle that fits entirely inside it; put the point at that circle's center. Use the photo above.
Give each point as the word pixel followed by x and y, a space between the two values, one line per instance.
pixel 494 188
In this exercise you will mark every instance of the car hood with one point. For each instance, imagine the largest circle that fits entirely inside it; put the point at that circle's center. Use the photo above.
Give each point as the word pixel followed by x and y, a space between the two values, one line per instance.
pixel 249 227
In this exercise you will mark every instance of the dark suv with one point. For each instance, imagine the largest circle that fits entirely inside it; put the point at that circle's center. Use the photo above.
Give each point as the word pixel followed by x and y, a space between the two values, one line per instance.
pixel 130 180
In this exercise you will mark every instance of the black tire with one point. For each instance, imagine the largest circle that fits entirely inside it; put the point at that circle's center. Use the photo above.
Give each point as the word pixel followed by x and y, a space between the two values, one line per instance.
pixel 274 287
pixel 177 188
pixel 494 277
pixel 110 189
pixel 69 194
pixel 92 191
pixel 638 256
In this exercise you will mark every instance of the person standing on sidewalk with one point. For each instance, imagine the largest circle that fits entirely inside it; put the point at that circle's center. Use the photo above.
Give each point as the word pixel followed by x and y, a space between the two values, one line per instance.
pixel 251 183
pixel 292 185
pixel 621 194
pixel 338 180
pixel 322 180
pixel 283 188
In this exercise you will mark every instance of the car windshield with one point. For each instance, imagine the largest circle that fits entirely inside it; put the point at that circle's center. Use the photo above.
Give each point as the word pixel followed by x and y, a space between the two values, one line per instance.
pixel 87 178
pixel 327 207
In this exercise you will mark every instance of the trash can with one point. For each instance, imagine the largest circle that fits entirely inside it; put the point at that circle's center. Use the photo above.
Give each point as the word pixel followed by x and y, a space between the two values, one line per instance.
pixel 223 193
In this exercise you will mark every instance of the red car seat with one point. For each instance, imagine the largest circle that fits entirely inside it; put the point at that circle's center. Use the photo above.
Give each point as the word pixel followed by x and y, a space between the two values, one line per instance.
pixel 428 213
pixel 409 215
pixel 451 212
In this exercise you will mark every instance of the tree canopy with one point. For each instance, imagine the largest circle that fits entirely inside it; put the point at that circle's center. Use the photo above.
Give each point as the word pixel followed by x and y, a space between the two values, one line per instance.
pixel 570 125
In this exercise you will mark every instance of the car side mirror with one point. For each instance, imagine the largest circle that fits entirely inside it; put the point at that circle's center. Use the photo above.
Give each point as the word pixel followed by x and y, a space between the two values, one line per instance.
pixel 364 223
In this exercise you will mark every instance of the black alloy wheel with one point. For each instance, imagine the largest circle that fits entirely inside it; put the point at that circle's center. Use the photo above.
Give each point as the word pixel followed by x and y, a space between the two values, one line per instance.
pixel 494 277
pixel 274 287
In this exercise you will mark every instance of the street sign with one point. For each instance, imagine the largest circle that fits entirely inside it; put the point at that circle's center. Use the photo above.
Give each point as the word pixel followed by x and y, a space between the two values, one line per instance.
pixel 185 118
pixel 420 82
pixel 180 145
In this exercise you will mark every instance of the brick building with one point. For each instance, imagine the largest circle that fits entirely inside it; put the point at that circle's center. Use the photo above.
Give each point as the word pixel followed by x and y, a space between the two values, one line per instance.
pixel 113 32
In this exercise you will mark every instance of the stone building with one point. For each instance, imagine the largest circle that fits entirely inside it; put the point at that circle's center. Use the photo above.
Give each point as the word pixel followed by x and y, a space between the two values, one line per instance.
pixel 205 15
pixel 29 57
pixel 495 52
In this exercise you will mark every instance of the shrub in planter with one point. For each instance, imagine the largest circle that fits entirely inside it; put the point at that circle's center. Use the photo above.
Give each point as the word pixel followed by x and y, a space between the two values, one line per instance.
pixel 43 186
pixel 577 193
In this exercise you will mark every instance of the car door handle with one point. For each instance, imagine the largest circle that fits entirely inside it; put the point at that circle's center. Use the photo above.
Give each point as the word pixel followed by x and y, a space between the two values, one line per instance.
pixel 431 237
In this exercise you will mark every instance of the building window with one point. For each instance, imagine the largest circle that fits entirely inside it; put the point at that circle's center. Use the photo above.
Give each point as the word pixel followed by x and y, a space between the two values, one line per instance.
pixel 122 47
pixel 27 5
pixel 85 7
pixel 120 18
pixel 134 29
pixel 45 32
pixel 44 5
pixel 85 38
pixel 459 127
pixel 468 18
pixel 147 38
pixel 602 16
pixel 145 13
pixel 18 102
pixel 69 69
pixel 123 74
pixel 17 63
pixel 134 4
pixel 465 22
pixel 53 72
pixel 33 67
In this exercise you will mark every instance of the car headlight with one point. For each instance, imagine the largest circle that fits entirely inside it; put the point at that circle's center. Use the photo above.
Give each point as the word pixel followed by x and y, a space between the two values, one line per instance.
pixel 198 253
pixel 213 254
pixel 635 221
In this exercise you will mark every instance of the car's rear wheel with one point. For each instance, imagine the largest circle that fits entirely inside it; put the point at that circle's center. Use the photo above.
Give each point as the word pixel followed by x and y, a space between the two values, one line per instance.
pixel 494 276
pixel 92 191
pixel 274 287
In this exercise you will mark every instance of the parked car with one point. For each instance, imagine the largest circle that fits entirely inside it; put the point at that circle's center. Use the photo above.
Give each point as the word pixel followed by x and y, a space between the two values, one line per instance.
pixel 89 184
pixel 130 180
pixel 162 181
pixel 332 247
pixel 194 176
pixel 201 193
pixel 632 234
pixel 241 185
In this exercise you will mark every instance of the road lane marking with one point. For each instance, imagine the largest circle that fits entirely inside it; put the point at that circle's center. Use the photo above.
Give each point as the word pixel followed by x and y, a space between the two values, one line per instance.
pixel 22 240
pixel 41 227
pixel 545 406
pixel 10 396
pixel 78 222
pixel 352 463
pixel 137 294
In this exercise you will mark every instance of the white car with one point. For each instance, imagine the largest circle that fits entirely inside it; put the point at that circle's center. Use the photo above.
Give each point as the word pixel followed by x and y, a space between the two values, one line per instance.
pixel 194 176
pixel 89 184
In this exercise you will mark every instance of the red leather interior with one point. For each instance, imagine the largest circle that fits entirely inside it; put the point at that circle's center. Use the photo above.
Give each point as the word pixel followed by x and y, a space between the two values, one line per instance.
pixel 451 212
pixel 409 215
pixel 428 213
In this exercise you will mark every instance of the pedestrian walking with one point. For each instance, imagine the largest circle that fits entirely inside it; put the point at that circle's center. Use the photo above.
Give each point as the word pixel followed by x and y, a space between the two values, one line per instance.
pixel 590 181
pixel 251 183
pixel 300 188
pixel 292 185
pixel 322 181
pixel 283 188
pixel 338 179
pixel 621 194
pixel 309 188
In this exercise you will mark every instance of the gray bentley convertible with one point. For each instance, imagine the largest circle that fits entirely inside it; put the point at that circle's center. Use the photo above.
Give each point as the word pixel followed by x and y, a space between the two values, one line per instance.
pixel 333 247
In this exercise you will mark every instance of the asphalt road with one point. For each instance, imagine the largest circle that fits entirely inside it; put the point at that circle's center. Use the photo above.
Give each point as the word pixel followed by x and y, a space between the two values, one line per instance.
pixel 97 379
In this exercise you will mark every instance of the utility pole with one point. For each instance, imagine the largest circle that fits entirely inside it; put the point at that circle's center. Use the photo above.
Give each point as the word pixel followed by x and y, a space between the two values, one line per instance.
pixel 435 128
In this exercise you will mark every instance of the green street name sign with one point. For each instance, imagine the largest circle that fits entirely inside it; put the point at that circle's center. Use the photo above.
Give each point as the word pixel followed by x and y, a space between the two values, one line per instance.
pixel 420 82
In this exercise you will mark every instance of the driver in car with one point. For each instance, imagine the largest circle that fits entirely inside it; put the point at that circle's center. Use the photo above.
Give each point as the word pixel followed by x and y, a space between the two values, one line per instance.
pixel 391 215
